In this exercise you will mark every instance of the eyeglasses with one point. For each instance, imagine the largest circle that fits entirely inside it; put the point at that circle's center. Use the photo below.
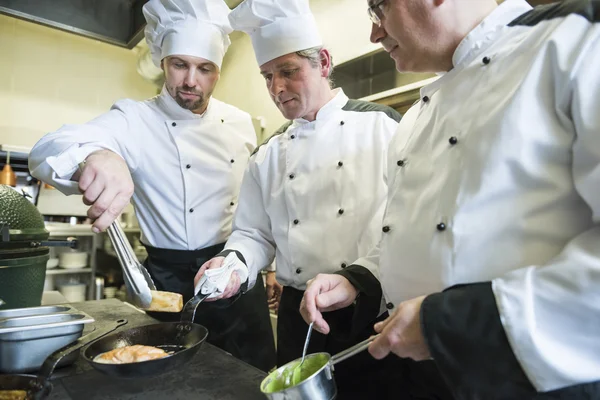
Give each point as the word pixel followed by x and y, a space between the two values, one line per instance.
pixel 376 12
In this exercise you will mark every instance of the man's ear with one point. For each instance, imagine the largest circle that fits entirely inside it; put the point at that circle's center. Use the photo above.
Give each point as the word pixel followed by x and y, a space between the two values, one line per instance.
pixel 325 59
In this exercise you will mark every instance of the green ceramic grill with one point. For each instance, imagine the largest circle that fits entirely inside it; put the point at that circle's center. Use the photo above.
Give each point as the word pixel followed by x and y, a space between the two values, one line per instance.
pixel 23 251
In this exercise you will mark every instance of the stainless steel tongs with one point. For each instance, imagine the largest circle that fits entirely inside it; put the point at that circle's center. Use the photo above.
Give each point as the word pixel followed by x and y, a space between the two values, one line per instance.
pixel 137 279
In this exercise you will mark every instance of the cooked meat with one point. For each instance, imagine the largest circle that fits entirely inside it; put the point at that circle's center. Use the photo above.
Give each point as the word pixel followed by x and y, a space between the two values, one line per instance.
pixel 165 302
pixel 13 395
pixel 130 354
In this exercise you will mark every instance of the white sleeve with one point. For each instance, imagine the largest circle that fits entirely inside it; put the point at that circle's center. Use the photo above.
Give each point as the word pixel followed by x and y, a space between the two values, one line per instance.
pixel 551 313
pixel 370 261
pixel 271 267
pixel 251 230
pixel 55 157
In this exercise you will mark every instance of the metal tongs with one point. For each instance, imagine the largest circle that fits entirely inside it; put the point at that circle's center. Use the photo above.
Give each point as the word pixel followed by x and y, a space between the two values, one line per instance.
pixel 137 279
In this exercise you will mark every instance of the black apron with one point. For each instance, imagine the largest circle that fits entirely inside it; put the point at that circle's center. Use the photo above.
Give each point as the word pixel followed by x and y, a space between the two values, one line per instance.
pixel 360 376
pixel 241 327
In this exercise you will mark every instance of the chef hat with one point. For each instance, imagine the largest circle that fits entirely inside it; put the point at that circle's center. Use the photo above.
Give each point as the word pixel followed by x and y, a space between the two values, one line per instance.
pixel 198 28
pixel 276 27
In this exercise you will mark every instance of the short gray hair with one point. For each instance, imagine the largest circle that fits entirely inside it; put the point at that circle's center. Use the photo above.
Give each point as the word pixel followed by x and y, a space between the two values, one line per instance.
pixel 314 58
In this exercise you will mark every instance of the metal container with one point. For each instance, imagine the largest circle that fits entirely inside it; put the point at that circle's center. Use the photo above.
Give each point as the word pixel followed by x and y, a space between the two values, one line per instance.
pixel 26 312
pixel 29 335
pixel 320 385
pixel 99 288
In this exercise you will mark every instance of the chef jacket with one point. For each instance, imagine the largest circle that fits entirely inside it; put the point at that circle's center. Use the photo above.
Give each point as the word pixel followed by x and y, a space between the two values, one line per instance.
pixel 494 176
pixel 314 193
pixel 187 168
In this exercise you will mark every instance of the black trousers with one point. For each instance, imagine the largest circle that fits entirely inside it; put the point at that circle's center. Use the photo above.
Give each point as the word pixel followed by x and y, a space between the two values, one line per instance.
pixel 361 376
pixel 241 327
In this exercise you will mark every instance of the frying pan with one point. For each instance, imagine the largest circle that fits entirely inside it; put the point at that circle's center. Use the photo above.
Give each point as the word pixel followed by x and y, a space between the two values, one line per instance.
pixel 184 339
pixel 38 386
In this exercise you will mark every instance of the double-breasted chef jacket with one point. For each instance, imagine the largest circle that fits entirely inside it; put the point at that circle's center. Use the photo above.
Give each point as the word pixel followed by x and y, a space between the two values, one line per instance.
pixel 187 171
pixel 187 168
pixel 493 208
pixel 314 194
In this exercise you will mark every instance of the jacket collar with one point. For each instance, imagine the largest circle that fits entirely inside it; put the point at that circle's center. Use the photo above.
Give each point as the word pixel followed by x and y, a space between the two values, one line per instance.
pixel 332 106
pixel 175 111
pixel 484 34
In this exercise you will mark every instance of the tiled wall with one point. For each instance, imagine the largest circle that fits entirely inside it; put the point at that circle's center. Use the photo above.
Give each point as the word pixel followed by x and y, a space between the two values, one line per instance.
pixel 49 78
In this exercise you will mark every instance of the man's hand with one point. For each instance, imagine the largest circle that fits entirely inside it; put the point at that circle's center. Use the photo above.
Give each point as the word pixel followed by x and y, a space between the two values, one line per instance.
pixel 107 187
pixel 234 281
pixel 326 292
pixel 401 333
pixel 274 290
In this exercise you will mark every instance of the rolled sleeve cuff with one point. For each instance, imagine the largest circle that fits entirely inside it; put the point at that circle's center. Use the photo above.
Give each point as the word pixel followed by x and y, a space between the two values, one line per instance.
pixel 66 163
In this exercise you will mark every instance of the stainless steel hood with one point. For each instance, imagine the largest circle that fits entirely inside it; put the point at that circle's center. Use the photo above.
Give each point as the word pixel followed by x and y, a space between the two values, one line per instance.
pixel 118 22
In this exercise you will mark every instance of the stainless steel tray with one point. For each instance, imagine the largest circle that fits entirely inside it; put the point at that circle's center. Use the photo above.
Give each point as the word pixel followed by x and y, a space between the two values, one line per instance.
pixel 26 312
pixel 29 335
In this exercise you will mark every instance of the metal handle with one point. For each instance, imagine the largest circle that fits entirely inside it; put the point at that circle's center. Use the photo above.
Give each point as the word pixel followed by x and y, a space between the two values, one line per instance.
pixel 70 242
pixel 189 310
pixel 53 359
pixel 306 341
pixel 357 348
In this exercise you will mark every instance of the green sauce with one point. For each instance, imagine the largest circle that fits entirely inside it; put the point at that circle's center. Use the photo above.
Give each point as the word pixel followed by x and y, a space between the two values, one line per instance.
pixel 285 378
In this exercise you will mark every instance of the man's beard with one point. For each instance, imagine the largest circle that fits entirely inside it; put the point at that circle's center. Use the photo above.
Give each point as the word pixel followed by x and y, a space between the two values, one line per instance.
pixel 189 104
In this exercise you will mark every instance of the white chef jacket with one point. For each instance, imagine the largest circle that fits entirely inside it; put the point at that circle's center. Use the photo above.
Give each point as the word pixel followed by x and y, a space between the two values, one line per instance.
pixel 187 169
pixel 314 194
pixel 495 175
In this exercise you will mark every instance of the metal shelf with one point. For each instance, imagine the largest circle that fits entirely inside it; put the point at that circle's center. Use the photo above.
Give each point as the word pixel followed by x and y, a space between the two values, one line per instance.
pixel 82 232
pixel 64 271
pixel 69 233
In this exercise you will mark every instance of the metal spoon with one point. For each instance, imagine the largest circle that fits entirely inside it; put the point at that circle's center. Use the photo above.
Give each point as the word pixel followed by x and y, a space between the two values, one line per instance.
pixel 296 375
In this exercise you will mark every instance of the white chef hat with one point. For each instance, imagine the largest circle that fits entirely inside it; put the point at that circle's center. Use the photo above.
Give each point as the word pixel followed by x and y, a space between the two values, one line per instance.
pixel 276 27
pixel 198 28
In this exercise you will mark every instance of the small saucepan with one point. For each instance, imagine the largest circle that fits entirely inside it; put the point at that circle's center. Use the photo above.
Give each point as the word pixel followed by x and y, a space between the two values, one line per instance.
pixel 316 381
pixel 38 387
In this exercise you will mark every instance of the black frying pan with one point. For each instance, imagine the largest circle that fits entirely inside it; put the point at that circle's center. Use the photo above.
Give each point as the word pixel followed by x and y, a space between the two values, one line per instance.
pixel 184 339
pixel 38 386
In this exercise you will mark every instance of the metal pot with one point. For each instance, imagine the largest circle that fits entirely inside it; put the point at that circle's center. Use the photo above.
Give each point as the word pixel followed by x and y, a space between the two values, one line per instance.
pixel 23 250
pixel 320 385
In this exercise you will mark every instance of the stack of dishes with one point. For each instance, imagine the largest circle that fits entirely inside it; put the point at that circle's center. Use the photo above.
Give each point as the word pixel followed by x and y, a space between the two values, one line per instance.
pixel 73 259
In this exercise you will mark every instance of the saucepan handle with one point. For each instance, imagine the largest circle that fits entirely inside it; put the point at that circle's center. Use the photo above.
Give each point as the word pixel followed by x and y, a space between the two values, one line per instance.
pixel 53 359
pixel 357 348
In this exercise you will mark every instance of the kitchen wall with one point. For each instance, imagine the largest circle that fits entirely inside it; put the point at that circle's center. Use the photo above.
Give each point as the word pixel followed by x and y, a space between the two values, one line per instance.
pixel 49 77
pixel 345 28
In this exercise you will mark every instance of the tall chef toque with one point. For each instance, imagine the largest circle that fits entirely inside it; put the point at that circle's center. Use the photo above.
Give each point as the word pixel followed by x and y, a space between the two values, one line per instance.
pixel 276 27
pixel 198 28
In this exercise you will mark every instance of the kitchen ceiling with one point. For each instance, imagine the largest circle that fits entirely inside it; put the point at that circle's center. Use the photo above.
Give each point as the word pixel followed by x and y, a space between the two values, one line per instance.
pixel 118 22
